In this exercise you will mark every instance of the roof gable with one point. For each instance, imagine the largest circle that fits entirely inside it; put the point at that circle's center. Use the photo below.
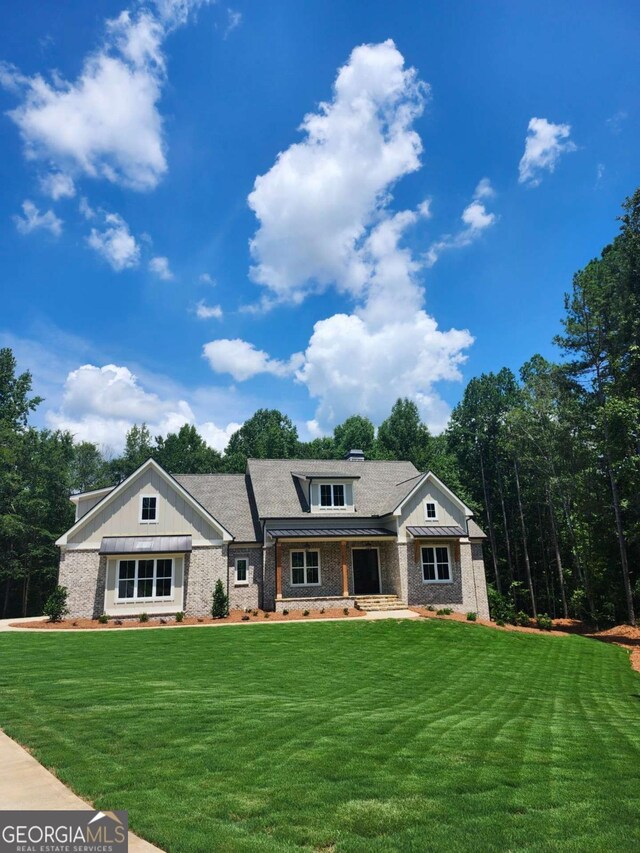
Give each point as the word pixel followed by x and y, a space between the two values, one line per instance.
pixel 112 495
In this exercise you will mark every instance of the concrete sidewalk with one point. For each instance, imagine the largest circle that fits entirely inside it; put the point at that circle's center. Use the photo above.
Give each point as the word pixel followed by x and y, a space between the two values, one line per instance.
pixel 26 784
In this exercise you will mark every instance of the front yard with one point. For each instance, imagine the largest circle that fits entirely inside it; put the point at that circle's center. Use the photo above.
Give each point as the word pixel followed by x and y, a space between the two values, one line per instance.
pixel 346 736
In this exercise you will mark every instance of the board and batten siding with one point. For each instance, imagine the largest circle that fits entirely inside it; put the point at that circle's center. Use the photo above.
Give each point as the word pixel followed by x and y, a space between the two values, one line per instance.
pixel 413 513
pixel 121 516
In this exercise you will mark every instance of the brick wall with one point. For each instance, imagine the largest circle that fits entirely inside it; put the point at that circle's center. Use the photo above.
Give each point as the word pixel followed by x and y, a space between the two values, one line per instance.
pixel 84 575
pixel 467 591
pixel 241 597
pixel 202 568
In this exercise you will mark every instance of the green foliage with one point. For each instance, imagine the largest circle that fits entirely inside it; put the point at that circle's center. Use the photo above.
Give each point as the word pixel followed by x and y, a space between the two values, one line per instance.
pixel 55 607
pixel 471 617
pixel 403 436
pixel 246 617
pixel 545 623
pixel 180 616
pixel 500 607
pixel 103 619
pixel 144 617
pixel 220 605
pixel 356 432
pixel 522 619
pixel 305 612
pixel 444 611
pixel 345 610
pixel 266 435
pixel 285 612
pixel 186 452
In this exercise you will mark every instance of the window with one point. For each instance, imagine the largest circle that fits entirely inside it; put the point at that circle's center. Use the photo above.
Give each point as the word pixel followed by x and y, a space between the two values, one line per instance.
pixel 145 579
pixel 331 494
pixel 435 565
pixel 305 568
pixel 242 570
pixel 430 511
pixel 148 509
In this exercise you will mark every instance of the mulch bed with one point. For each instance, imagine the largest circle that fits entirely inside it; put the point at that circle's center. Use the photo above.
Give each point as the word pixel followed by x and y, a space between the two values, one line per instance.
pixel 461 617
pixel 170 621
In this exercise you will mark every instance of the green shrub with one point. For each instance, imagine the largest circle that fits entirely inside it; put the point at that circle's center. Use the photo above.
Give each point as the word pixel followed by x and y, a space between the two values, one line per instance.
pixel 245 617
pixel 103 618
pixel 322 610
pixel 523 619
pixel 430 608
pixel 179 615
pixel 471 616
pixel 144 617
pixel 220 606
pixel 500 622
pixel 255 612
pixel 117 621
pixel 500 607
pixel 285 612
pixel 267 614
pixel 545 623
pixel 444 611
pixel 305 612
pixel 55 606
pixel 345 610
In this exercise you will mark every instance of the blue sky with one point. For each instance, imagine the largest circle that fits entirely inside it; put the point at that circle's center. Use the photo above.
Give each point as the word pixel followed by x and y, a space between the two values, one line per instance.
pixel 162 262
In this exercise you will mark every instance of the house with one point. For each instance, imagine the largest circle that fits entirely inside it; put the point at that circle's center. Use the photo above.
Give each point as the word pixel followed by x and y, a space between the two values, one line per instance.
pixel 288 533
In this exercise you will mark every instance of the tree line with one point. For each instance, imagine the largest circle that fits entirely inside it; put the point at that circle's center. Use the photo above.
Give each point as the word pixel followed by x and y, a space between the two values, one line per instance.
pixel 549 459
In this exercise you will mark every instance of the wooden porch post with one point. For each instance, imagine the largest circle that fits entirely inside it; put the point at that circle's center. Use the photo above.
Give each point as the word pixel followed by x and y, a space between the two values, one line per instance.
pixel 278 570
pixel 345 573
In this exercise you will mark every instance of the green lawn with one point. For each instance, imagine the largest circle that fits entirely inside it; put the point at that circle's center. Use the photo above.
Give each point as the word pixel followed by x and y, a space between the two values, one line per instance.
pixel 346 736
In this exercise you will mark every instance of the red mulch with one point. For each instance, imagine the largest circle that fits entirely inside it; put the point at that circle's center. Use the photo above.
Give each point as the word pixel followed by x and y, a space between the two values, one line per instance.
pixel 461 617
pixel 169 621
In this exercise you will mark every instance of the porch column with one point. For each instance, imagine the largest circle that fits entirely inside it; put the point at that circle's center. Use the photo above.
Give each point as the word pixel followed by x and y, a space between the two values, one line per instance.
pixel 345 573
pixel 278 570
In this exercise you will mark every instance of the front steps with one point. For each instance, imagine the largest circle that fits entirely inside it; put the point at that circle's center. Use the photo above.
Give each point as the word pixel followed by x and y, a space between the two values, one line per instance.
pixel 374 603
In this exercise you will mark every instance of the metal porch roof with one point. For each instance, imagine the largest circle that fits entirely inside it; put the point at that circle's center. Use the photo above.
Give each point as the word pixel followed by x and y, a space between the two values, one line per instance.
pixel 145 544
pixel 443 532
pixel 329 532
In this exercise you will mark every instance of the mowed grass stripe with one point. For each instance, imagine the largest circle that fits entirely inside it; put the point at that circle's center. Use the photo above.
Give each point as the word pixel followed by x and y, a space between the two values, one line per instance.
pixel 357 736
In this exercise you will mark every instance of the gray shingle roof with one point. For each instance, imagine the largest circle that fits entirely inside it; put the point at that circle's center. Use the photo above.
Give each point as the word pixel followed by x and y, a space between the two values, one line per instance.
pixel 229 499
pixel 279 494
pixel 475 531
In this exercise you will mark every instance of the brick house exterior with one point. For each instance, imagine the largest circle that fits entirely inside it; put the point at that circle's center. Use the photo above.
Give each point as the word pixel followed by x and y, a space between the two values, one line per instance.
pixel 286 534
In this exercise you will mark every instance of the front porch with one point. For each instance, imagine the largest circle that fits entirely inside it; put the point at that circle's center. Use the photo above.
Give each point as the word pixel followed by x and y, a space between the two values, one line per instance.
pixel 317 572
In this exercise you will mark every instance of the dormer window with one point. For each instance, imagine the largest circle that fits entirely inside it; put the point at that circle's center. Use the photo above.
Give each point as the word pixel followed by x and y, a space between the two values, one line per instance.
pixel 430 511
pixel 332 494
pixel 148 509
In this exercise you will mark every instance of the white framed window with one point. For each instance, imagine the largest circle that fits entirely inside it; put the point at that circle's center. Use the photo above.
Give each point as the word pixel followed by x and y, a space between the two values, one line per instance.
pixel 146 579
pixel 430 511
pixel 436 565
pixel 242 571
pixel 332 495
pixel 305 568
pixel 148 509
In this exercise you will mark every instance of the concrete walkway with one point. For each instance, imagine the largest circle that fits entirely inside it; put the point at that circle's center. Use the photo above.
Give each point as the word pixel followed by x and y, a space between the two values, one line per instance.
pixel 5 624
pixel 26 784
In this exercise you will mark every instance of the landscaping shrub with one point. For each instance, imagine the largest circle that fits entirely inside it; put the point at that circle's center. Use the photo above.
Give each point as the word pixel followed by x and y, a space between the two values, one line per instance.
pixel 103 618
pixel 55 606
pixel 471 617
pixel 245 617
pixel 545 622
pixel 500 622
pixel 144 617
pixel 267 614
pixel 255 612
pixel 523 619
pixel 305 612
pixel 322 610
pixel 500 607
pixel 285 612
pixel 430 608
pixel 179 616
pixel 220 606
pixel 345 611
pixel 444 611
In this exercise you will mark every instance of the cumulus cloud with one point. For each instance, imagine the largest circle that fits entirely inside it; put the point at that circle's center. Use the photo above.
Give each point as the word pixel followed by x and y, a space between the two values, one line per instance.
pixel 115 243
pixel 322 194
pixel 205 278
pixel 242 360
pixel 105 123
pixel 206 312
pixel 544 144
pixel 57 185
pixel 234 19
pixel 325 220
pixel 100 404
pixel 160 266
pixel 476 219
pixel 33 220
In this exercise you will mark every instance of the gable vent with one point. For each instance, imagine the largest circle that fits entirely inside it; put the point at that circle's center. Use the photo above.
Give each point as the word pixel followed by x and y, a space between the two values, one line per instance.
pixel 354 456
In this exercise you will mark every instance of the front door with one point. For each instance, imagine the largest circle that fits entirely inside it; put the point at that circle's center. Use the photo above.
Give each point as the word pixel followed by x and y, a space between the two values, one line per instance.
pixel 366 577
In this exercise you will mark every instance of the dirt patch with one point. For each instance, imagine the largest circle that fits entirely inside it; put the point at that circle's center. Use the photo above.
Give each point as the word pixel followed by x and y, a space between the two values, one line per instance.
pixel 170 621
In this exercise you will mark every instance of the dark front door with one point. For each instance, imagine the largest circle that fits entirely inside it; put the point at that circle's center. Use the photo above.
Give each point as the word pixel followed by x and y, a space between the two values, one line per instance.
pixel 366 579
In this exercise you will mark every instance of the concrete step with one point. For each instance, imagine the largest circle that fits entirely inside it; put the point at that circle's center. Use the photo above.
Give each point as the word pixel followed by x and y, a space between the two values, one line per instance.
pixel 373 603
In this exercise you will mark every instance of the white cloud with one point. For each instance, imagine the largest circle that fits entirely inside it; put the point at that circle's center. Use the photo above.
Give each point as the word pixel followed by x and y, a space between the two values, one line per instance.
pixel 242 360
pixel 322 194
pixel 325 219
pixel 476 219
pixel 33 220
pixel 544 144
pixel 206 312
pixel 205 278
pixel 85 209
pixel 115 243
pixel 106 123
pixel 616 121
pixel 57 185
pixel 160 267
pixel 100 404
pixel 234 19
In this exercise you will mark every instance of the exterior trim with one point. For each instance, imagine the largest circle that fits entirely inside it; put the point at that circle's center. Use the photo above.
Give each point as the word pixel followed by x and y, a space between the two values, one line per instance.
pixel 363 548
pixel 303 585
pixel 157 507
pixel 431 476
pixel 450 564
